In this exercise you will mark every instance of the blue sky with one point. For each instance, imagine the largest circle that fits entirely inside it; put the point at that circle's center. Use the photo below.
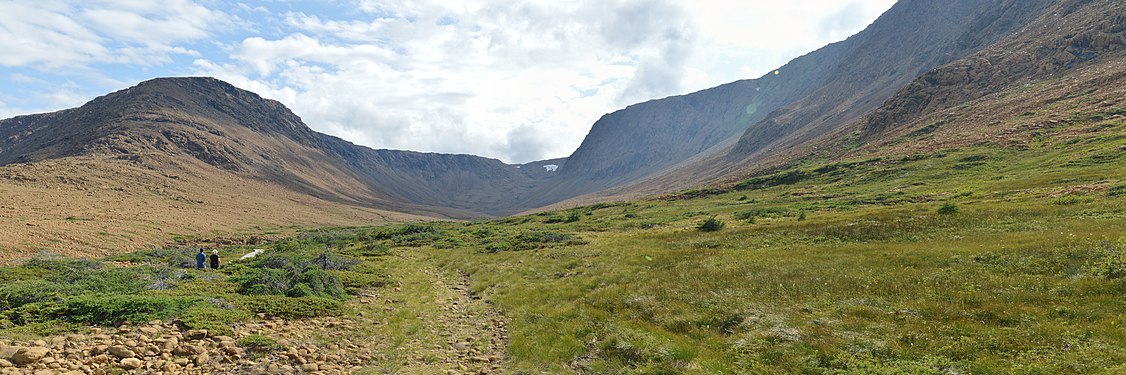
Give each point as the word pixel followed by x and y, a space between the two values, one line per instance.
pixel 514 80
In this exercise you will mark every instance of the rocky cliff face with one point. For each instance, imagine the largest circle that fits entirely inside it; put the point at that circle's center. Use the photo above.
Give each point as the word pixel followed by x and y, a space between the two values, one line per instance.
pixel 911 38
pixel 1064 37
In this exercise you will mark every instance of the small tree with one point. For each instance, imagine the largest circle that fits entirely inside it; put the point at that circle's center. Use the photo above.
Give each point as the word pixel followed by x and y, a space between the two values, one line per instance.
pixel 948 208
pixel 710 225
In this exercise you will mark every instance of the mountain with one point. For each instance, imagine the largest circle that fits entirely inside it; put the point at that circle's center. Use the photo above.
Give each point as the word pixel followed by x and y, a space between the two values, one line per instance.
pixel 924 76
pixel 239 132
pixel 806 97
pixel 175 156
pixel 918 57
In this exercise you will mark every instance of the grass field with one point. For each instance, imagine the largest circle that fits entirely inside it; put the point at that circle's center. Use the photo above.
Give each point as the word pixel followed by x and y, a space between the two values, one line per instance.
pixel 973 260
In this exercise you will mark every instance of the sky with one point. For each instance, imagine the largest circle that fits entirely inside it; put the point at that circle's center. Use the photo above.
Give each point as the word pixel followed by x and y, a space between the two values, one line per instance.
pixel 515 80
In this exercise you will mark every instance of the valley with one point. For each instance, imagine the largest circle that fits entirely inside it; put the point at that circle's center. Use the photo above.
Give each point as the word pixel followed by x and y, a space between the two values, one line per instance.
pixel 941 193
pixel 965 259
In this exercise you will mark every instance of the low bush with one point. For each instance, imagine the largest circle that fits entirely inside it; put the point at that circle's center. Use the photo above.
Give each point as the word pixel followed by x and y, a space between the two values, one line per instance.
pixel 1116 191
pixel 948 208
pixel 214 319
pixel 1108 262
pixel 22 292
pixel 289 307
pixel 117 309
pixel 710 225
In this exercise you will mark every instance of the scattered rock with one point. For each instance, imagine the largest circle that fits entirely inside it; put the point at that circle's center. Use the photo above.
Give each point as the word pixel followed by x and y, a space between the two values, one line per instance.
pixel 121 352
pixel 6 352
pixel 201 359
pixel 196 334
pixel 131 363
pixel 188 350
pixel 25 356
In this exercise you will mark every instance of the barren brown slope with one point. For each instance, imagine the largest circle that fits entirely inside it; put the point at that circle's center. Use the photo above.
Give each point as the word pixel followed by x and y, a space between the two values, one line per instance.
pixel 98 205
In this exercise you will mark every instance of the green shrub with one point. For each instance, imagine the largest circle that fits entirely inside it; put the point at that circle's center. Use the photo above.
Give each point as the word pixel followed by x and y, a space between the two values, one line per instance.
pixel 116 309
pixel 948 208
pixel 18 293
pixel 289 307
pixel 710 225
pixel 1071 199
pixel 321 283
pixel 264 281
pixel 1116 191
pixel 1109 261
pixel 214 319
pixel 107 280
pixel 35 312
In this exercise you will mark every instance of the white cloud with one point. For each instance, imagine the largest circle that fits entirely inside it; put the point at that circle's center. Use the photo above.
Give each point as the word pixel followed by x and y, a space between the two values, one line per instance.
pixel 515 80
pixel 54 34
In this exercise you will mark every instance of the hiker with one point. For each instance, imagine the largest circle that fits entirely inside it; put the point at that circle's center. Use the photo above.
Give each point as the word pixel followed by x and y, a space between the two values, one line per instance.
pixel 214 259
pixel 200 258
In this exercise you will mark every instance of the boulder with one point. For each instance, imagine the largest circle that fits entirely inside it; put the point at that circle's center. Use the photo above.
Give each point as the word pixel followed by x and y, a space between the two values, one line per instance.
pixel 121 351
pixel 201 359
pixel 196 334
pixel 26 356
pixel 188 350
pixel 131 363
pixel 6 352
pixel 169 344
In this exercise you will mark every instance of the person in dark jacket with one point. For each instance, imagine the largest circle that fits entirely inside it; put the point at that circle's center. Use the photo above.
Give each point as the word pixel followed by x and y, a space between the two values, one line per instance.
pixel 200 258
pixel 214 259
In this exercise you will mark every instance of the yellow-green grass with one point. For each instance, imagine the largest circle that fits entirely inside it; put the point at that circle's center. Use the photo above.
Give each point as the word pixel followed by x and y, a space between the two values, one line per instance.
pixel 972 260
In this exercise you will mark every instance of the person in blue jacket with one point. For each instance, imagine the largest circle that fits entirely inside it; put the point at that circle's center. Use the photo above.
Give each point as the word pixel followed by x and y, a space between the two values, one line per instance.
pixel 200 259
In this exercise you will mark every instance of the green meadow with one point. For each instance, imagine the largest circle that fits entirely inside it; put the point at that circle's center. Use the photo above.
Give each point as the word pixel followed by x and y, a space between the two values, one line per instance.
pixel 973 260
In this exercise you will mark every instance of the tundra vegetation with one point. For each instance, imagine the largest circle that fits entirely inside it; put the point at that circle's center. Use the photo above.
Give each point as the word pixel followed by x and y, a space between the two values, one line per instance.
pixel 971 260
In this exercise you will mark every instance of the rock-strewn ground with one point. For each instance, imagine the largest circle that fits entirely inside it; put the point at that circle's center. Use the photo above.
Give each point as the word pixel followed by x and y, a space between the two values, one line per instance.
pixel 429 323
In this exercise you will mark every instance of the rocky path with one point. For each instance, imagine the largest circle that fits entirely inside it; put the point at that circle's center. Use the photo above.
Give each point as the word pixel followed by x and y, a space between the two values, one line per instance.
pixel 434 324
pixel 428 322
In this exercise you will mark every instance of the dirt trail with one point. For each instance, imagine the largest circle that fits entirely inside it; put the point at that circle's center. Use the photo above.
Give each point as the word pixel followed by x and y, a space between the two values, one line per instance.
pixel 430 322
